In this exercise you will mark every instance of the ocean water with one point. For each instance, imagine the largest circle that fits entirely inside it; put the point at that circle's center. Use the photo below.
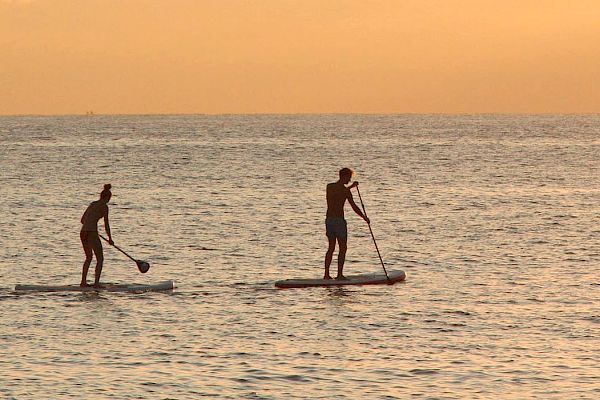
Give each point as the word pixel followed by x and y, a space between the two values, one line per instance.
pixel 494 218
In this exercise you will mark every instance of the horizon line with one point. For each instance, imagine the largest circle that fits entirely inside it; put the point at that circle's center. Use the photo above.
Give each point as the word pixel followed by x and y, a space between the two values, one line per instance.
pixel 94 114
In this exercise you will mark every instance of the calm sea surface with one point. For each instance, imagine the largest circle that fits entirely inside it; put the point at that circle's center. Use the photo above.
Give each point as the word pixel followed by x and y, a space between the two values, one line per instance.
pixel 494 218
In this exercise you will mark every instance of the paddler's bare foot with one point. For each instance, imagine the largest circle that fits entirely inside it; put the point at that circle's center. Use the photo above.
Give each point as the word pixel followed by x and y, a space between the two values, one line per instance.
pixel 341 278
pixel 84 284
pixel 327 277
pixel 98 285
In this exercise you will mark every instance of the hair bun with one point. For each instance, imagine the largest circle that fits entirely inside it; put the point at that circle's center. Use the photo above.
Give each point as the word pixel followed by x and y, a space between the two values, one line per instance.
pixel 107 186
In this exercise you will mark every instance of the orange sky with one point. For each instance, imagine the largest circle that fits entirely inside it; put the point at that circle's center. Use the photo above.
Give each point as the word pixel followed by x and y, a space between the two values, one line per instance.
pixel 299 56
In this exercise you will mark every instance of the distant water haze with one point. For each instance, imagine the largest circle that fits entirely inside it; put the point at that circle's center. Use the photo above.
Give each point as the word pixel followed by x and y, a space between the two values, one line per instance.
pixel 494 219
pixel 281 56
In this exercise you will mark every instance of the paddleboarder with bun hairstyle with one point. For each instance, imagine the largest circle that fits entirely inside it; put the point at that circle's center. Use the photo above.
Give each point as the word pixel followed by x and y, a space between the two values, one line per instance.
pixel 89 235
pixel 335 224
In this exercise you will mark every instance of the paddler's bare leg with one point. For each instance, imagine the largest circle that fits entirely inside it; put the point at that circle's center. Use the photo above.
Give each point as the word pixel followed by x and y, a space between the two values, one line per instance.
pixel 98 271
pixel 97 248
pixel 88 259
pixel 329 256
pixel 84 271
pixel 343 242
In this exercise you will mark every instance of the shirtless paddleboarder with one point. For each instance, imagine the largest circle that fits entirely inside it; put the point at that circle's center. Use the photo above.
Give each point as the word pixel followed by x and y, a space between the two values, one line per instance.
pixel 89 235
pixel 335 224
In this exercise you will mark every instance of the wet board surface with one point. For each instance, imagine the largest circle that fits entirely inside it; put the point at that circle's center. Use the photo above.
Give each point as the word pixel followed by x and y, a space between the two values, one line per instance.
pixel 106 287
pixel 364 279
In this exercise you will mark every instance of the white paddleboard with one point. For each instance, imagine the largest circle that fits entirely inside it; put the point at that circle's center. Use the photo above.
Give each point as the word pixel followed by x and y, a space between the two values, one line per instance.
pixel 106 287
pixel 365 279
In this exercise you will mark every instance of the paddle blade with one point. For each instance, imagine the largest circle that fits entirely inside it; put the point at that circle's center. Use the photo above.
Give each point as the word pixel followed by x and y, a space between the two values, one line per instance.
pixel 143 266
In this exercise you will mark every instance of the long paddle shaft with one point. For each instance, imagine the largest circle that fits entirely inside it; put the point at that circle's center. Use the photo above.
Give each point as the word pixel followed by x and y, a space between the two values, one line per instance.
pixel 143 266
pixel 117 247
pixel 373 236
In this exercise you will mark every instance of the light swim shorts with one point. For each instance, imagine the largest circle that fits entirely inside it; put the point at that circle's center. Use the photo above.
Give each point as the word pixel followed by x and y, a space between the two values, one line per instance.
pixel 336 227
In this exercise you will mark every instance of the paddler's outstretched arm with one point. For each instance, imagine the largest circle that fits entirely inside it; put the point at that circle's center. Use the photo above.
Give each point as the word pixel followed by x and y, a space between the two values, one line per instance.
pixel 354 206
pixel 107 227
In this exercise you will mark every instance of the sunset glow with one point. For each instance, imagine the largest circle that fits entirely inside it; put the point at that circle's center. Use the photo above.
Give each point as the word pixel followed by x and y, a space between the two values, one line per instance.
pixel 283 56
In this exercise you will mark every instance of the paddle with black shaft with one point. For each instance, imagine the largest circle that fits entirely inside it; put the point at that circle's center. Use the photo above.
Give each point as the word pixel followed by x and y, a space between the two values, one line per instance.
pixel 143 266
pixel 373 236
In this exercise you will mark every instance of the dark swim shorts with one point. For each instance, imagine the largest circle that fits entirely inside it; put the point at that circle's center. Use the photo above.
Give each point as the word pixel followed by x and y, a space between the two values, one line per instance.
pixel 336 227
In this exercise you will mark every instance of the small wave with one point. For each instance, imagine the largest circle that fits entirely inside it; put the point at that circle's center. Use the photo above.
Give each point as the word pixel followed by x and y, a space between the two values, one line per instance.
pixel 424 371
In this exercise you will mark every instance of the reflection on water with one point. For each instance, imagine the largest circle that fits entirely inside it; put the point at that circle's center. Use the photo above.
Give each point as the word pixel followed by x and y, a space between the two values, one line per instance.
pixel 494 218
pixel 336 292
